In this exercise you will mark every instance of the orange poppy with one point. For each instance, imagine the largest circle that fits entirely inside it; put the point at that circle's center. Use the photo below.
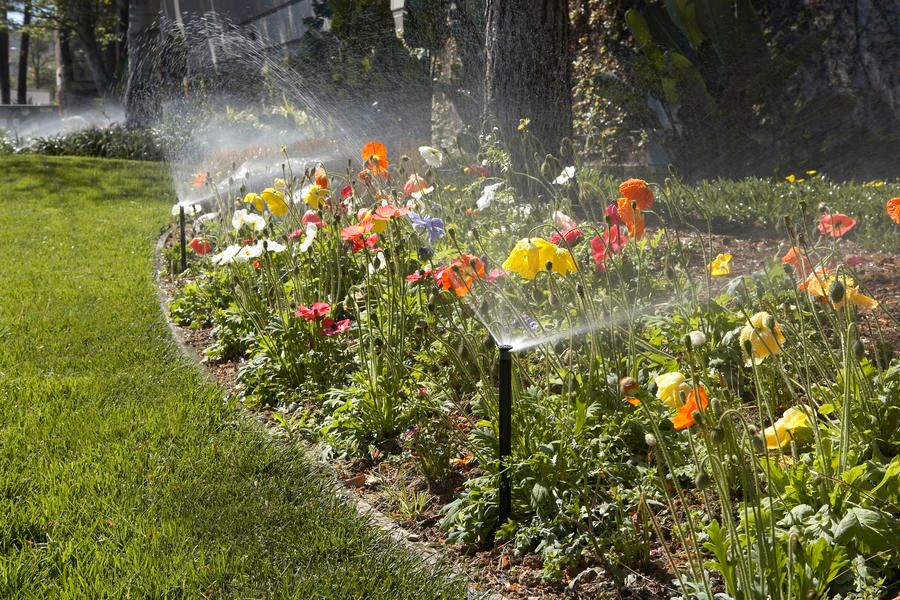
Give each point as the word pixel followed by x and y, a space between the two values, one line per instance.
pixel 374 155
pixel 798 259
pixel 459 275
pixel 637 190
pixel 633 219
pixel 200 179
pixel 836 225
pixel 893 209
pixel 685 416
pixel 321 177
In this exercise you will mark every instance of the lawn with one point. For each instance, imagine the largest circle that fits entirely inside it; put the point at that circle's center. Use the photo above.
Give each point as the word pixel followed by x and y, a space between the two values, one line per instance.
pixel 123 472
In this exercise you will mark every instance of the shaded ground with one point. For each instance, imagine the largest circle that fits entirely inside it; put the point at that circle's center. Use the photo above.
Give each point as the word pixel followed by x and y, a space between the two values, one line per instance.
pixel 122 471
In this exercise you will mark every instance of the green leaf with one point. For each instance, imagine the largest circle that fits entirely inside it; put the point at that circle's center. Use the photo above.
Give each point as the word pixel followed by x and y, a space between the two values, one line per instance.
pixel 873 531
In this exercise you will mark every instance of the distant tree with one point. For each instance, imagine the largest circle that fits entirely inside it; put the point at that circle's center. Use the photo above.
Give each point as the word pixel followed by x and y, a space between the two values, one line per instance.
pixel 24 43
pixel 4 54
pixel 528 73
pixel 143 28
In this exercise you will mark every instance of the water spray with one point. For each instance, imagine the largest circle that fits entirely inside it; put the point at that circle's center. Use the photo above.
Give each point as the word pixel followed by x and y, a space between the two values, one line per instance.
pixel 183 239
pixel 505 433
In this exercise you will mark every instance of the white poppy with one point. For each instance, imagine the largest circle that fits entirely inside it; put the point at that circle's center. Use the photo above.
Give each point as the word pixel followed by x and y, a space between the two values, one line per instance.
pixel 311 230
pixel 227 255
pixel 564 177
pixel 418 195
pixel 378 263
pixel 249 252
pixel 432 156
pixel 487 195
pixel 272 246
pixel 242 217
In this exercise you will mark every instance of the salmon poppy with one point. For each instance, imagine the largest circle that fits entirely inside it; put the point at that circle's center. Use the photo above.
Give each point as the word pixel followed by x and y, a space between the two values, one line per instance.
pixel 632 218
pixel 331 328
pixel 416 184
pixel 460 274
pixel 312 217
pixel 374 155
pixel 836 225
pixel 389 211
pixel 200 246
pixel 613 240
pixel 200 179
pixel 636 190
pixel 697 401
pixel 893 209
pixel 798 259
pixel 321 177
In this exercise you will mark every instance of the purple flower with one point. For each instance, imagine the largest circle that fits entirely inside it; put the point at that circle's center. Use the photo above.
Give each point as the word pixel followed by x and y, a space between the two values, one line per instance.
pixel 432 225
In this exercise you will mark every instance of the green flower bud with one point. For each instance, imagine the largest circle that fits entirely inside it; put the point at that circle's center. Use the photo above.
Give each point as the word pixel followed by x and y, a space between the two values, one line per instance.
pixel 717 435
pixel 859 351
pixel 701 480
pixel 836 291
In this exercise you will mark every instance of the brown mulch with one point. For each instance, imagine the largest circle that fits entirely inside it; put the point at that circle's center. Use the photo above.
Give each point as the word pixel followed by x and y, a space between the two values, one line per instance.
pixel 499 570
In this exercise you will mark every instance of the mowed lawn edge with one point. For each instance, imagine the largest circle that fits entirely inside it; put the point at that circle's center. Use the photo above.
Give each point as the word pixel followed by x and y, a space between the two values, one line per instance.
pixel 123 471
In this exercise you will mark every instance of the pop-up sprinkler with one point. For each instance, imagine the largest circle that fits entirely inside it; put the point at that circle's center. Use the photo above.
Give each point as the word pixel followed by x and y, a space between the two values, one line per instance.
pixel 183 239
pixel 505 430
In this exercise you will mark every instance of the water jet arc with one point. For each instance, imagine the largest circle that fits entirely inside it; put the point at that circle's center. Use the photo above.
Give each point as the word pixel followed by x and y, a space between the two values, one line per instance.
pixel 504 423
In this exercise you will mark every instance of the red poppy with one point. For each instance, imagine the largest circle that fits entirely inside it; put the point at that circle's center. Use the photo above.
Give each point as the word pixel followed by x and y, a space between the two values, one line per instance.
pixel 316 311
pixel 685 416
pixel 614 239
pixel 572 236
pixel 374 155
pixel 200 246
pixel 321 177
pixel 476 169
pixel 256 264
pixel 356 231
pixel 248 241
pixel 636 190
pixel 346 191
pixel 836 225
pixel 331 328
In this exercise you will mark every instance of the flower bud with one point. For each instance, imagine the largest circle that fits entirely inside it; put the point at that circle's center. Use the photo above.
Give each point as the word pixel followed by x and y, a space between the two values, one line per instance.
pixel 748 347
pixel 627 385
pixel 717 435
pixel 715 406
pixel 859 351
pixel 579 289
pixel 759 444
pixel 794 539
pixel 701 480
pixel 554 300
pixel 836 291
pixel 697 338
pixel 650 440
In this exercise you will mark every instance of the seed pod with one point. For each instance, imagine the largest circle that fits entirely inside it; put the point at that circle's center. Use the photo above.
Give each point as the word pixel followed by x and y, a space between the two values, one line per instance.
pixel 717 435
pixel 836 291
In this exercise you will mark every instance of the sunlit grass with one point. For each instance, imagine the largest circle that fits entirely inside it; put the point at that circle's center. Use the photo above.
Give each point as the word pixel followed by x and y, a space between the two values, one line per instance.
pixel 122 472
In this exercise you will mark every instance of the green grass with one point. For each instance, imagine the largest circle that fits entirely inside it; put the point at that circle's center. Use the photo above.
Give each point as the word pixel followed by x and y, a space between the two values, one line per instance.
pixel 122 471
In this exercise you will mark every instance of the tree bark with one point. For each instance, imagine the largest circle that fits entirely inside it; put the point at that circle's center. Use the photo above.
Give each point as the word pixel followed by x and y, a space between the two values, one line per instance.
pixel 141 103
pixel 64 71
pixel 4 55
pixel 25 39
pixel 529 75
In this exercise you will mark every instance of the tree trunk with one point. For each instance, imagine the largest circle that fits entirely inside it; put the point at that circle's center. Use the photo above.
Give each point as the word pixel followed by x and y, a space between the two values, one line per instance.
pixel 141 104
pixel 529 75
pixel 22 92
pixel 4 55
pixel 64 71
pixel 96 61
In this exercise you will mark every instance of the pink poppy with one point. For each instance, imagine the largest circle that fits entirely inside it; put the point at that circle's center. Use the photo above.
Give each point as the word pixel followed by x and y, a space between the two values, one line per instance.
pixel 311 217
pixel 317 310
pixel 346 191
pixel 496 274
pixel 331 328
pixel 414 184
pixel 612 216
pixel 613 241
pixel 571 236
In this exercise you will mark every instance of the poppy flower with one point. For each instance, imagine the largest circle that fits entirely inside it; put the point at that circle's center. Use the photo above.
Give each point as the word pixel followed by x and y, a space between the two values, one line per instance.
pixel 477 170
pixel 636 190
pixel 316 311
pixel 720 266
pixel 256 200
pixel 612 241
pixel 612 216
pixel 764 341
pixel 241 217
pixel 496 274
pixel 821 281
pixel 782 431
pixel 257 265
pixel 346 191
pixel 798 259
pixel 432 156
pixel 571 236
pixel 632 218
pixel 331 328
pixel 374 155
pixel 275 201
pixel 314 195
pixel 836 225
pixel 670 387
pixel 565 176
pixel 389 211
pixel 697 401
pixel 530 256
pixel 893 209
pixel 200 246
pixel 416 186
pixel 321 177
pixel 200 179
pixel 460 274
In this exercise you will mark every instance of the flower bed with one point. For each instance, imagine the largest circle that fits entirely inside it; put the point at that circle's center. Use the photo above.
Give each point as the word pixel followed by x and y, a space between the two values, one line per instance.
pixel 710 428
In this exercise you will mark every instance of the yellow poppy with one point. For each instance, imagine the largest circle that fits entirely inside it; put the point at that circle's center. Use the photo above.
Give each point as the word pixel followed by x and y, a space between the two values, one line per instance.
pixel 530 256
pixel 820 282
pixel 314 195
pixel 275 201
pixel 720 266
pixel 764 340
pixel 782 431
pixel 670 387
pixel 256 200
